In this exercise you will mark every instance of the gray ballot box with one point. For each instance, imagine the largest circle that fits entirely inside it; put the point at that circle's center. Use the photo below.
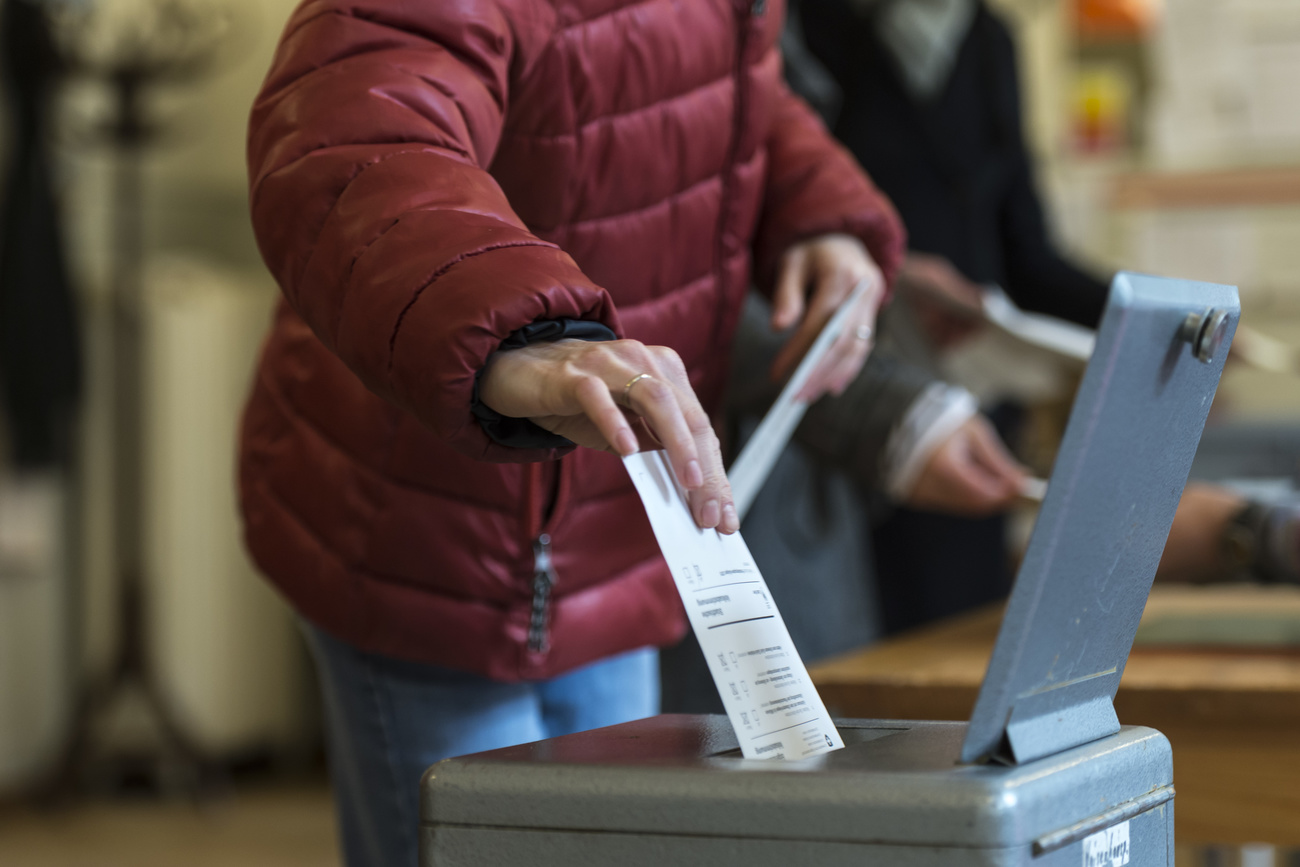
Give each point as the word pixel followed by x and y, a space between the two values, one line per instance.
pixel 1043 774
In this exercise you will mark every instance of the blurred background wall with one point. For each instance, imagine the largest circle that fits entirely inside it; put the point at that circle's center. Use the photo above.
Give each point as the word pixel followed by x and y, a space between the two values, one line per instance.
pixel 1168 138
pixel 222 650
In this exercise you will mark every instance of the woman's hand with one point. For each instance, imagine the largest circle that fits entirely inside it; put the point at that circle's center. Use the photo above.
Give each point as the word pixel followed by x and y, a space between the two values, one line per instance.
pixel 813 279
pixel 598 394
pixel 948 306
pixel 970 473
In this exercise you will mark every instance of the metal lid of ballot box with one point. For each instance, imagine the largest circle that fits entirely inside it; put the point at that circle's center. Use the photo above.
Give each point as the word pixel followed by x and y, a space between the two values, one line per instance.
pixel 1119 474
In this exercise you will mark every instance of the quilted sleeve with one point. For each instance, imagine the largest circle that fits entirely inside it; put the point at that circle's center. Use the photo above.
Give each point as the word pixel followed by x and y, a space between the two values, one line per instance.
pixel 368 147
pixel 814 186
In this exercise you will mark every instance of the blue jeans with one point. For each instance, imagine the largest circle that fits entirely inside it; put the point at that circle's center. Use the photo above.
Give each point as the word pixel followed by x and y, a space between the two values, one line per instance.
pixel 388 720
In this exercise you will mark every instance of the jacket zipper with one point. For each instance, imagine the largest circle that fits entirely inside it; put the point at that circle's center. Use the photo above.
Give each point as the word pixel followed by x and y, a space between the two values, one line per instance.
pixel 543 581
pixel 745 15
pixel 544 576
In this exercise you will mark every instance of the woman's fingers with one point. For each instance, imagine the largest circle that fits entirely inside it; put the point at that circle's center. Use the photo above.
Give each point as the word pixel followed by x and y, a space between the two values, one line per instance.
pixel 593 393
pixel 654 398
pixel 991 475
pixel 674 414
pixel 830 269
pixel 819 309
pixel 789 294
pixel 851 355
pixel 844 360
pixel 970 473
pixel 598 405
pixel 989 452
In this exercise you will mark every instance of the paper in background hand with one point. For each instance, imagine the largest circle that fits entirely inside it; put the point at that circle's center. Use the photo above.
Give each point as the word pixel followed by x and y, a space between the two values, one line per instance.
pixel 754 463
pixel 764 685
pixel 1046 332
pixel 1022 357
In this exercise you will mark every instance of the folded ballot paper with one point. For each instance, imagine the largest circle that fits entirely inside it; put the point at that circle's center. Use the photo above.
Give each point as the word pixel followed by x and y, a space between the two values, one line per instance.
pixel 765 688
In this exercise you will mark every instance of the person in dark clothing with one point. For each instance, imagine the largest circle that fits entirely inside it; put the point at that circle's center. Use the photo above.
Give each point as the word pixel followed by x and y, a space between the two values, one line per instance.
pixel 942 549
pixel 930 104
pixel 895 432
pixel 936 124
pixel 40 348
pixel 931 107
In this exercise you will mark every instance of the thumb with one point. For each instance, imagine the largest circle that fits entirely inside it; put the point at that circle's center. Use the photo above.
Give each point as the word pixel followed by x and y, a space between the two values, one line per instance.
pixel 788 297
pixel 987 449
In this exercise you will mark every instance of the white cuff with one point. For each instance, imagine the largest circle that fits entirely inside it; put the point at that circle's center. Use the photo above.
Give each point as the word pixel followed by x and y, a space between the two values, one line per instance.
pixel 933 417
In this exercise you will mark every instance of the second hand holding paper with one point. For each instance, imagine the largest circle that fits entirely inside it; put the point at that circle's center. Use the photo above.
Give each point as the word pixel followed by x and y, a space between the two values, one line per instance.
pixel 750 470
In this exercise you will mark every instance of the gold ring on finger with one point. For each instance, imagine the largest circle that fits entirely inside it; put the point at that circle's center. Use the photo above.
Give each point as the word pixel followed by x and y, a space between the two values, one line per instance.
pixel 627 389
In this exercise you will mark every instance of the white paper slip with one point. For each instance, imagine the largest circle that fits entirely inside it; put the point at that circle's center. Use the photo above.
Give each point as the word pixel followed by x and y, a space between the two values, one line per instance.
pixel 750 469
pixel 1264 352
pixel 1033 488
pixel 1046 332
pixel 765 688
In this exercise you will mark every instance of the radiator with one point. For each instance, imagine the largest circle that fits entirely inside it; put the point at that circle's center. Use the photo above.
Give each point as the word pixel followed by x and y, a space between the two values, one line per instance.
pixel 224 648
pixel 35 626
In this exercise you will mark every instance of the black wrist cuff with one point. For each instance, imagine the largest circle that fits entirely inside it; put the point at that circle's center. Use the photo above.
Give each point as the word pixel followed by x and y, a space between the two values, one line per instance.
pixel 521 433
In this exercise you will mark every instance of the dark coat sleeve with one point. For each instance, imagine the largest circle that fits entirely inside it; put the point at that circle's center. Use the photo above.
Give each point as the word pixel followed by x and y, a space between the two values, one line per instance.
pixel 1039 278
pixel 848 432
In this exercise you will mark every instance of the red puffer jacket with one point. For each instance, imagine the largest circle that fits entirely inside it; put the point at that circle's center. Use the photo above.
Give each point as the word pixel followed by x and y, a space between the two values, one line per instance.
pixel 428 177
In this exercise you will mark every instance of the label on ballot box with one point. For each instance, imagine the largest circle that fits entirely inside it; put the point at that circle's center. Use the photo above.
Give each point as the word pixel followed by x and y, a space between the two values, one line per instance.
pixel 1108 848
pixel 765 688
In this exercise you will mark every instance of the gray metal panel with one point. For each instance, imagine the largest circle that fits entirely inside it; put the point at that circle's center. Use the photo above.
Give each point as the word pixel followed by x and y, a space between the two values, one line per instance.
pixel 894 783
pixel 1118 477
pixel 455 846
pixel 1259 450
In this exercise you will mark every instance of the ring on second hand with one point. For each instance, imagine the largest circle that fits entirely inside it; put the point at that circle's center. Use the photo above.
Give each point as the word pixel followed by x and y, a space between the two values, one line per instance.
pixel 863 333
pixel 627 389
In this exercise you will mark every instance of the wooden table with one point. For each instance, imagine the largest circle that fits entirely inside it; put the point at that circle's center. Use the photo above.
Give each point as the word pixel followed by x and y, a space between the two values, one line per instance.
pixel 1243 187
pixel 1232 713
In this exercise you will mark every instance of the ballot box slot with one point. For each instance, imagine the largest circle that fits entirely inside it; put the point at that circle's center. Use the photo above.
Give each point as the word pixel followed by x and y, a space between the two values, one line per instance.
pixel 852 735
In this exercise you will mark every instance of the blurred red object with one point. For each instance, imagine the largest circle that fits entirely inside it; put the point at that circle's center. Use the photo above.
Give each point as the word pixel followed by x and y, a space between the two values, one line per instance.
pixel 1114 18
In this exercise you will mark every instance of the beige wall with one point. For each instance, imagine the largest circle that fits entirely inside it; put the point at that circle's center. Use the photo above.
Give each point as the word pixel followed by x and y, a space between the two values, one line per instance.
pixel 1252 247
pixel 195 175
pixel 195 212
pixel 200 180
